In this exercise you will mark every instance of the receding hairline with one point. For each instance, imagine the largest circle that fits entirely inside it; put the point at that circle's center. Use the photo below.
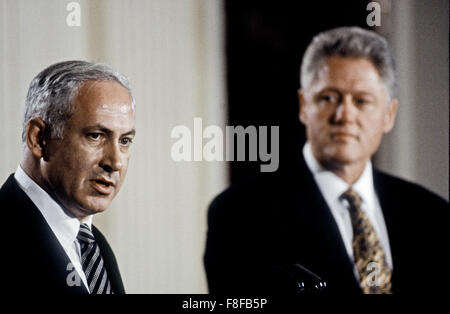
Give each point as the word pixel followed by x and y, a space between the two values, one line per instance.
pixel 350 42
pixel 52 91
pixel 88 84
pixel 322 63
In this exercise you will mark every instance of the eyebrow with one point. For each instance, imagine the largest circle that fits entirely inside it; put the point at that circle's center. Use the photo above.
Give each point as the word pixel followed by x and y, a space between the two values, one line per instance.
pixel 132 132
pixel 329 89
pixel 106 130
pixel 336 90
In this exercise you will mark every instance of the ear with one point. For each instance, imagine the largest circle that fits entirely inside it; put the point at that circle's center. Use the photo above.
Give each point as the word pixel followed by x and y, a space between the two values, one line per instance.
pixel 302 104
pixel 390 114
pixel 36 137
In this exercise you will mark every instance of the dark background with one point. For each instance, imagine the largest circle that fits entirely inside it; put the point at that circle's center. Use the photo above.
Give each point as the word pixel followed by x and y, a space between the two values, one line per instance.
pixel 265 41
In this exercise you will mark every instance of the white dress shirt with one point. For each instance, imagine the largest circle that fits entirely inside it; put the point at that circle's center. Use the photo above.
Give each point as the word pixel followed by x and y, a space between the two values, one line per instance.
pixel 332 187
pixel 63 226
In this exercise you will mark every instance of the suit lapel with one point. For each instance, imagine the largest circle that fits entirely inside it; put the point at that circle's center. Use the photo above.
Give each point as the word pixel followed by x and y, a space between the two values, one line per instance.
pixel 55 261
pixel 109 262
pixel 388 204
pixel 315 228
pixel 38 244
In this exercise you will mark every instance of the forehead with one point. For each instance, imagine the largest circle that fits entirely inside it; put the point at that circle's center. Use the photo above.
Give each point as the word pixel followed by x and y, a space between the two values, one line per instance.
pixel 355 74
pixel 104 102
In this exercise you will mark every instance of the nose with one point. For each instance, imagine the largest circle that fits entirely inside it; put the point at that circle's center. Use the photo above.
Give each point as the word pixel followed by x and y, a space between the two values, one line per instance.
pixel 345 111
pixel 112 158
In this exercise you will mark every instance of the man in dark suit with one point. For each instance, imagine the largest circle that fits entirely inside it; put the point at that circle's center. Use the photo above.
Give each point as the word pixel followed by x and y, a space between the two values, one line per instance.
pixel 77 131
pixel 333 218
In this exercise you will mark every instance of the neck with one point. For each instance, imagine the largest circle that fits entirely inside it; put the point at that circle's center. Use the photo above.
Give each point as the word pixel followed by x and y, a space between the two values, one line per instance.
pixel 31 166
pixel 350 173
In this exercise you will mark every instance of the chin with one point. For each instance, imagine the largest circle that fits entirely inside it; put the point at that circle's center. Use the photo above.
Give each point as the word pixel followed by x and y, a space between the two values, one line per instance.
pixel 96 205
pixel 342 155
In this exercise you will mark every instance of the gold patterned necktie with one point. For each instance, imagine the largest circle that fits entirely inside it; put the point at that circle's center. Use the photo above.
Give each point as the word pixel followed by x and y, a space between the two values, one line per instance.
pixel 369 257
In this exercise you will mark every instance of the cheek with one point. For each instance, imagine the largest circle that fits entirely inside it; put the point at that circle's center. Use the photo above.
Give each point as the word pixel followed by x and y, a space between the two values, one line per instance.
pixel 374 124
pixel 124 169
pixel 318 123
pixel 76 159
pixel 373 130
pixel 80 163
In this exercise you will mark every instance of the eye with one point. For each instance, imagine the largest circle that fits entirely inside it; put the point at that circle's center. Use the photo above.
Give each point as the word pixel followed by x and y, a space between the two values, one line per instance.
pixel 94 135
pixel 126 141
pixel 329 98
pixel 362 101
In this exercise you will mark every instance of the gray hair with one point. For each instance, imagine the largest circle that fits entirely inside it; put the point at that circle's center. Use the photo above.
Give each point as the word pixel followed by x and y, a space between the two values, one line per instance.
pixel 350 42
pixel 52 91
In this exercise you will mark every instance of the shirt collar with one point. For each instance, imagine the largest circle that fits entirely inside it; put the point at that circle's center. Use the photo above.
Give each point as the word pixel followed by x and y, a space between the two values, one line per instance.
pixel 364 185
pixel 64 227
pixel 333 186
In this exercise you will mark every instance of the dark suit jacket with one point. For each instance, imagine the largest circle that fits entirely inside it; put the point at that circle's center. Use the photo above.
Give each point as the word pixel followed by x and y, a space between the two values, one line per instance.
pixel 32 258
pixel 257 230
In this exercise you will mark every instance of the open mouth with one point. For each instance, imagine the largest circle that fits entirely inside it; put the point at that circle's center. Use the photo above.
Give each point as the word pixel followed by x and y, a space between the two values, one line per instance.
pixel 102 182
pixel 102 186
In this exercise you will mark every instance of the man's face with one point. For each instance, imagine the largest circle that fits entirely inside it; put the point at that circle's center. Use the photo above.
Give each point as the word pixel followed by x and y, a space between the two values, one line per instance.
pixel 85 169
pixel 346 110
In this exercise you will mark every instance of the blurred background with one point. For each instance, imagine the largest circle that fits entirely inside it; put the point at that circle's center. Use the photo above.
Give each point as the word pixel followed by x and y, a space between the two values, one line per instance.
pixel 231 63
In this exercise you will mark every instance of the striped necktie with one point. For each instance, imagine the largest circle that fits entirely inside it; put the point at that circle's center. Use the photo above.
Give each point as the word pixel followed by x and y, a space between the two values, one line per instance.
pixel 92 262
pixel 369 256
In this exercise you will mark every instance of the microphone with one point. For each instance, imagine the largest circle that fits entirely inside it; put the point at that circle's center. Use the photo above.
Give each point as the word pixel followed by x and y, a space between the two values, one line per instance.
pixel 300 280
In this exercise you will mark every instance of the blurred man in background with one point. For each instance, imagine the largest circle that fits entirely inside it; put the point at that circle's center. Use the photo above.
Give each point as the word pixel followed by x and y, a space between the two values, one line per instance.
pixel 334 218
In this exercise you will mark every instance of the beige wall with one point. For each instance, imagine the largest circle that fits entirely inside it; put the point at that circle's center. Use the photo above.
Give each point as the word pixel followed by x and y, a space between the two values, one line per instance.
pixel 417 148
pixel 172 53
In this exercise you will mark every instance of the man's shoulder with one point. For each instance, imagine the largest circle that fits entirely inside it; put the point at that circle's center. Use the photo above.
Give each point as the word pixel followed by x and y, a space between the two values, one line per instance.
pixel 8 187
pixel 13 200
pixel 247 192
pixel 406 189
